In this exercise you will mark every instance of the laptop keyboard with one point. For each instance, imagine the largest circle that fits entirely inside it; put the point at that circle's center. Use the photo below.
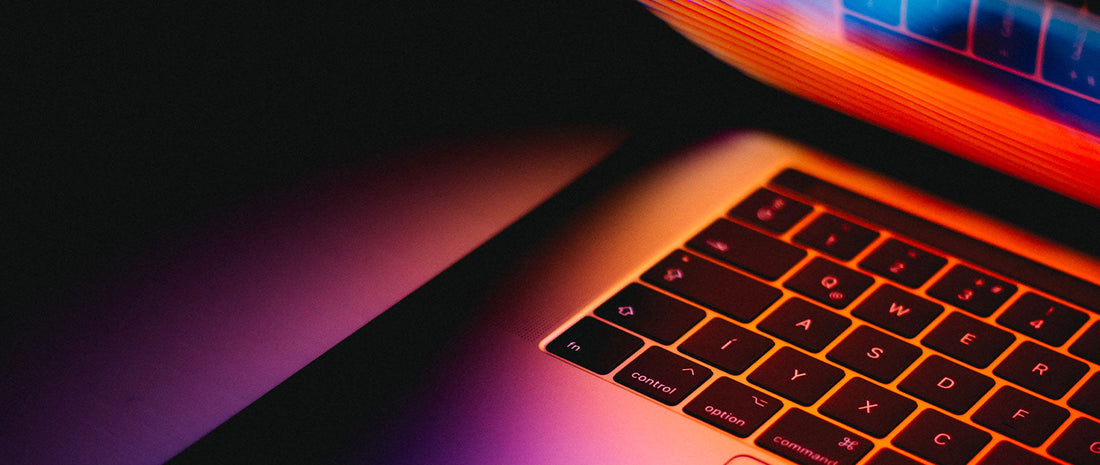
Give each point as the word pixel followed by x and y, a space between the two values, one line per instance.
pixel 810 319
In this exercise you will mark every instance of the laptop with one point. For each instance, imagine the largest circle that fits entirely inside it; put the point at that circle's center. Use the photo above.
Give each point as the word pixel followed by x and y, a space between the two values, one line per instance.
pixel 738 298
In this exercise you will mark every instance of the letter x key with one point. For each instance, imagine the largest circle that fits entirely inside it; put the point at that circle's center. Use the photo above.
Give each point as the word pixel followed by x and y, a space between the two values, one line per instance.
pixel 867 406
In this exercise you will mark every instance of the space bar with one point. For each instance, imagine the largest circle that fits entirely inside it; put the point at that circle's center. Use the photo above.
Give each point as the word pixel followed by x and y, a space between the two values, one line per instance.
pixel 947 240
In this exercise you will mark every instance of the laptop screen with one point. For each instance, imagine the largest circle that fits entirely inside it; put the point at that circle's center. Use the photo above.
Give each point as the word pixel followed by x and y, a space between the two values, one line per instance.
pixel 1008 84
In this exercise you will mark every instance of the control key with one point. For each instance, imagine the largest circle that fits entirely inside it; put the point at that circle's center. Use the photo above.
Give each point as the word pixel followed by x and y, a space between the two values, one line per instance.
pixel 663 375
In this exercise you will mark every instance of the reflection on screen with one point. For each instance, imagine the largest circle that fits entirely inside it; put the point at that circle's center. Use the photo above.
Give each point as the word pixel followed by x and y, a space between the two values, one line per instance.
pixel 1044 56
pixel 1012 84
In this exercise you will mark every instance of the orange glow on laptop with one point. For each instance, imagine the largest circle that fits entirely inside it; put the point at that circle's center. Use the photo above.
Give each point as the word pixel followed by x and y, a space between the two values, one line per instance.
pixel 801 47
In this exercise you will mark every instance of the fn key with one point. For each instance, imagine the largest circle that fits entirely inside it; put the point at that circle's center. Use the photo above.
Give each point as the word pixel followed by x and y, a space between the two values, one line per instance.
pixel 594 345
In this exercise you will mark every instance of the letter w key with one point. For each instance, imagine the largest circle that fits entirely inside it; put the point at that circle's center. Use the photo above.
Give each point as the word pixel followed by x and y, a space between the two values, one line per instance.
pixel 897 311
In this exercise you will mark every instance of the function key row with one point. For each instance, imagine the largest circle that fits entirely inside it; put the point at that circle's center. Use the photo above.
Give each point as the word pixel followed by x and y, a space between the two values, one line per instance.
pixel 903 263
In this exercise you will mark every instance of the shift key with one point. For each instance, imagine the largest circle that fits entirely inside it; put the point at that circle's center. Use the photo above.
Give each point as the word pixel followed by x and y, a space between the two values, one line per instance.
pixel 809 440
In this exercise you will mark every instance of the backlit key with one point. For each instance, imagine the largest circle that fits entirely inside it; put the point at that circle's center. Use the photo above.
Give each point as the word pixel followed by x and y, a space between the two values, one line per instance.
pixel 1020 416
pixel 941 439
pixel 796 376
pixel 809 440
pixel 968 340
pixel 1079 444
pixel 804 324
pixel 903 263
pixel 747 249
pixel 770 210
pixel 1041 370
pixel 1007 453
pixel 726 345
pixel 837 237
pixel 734 294
pixel 1088 345
pixel 829 283
pixel 1087 397
pixel 650 313
pixel 945 384
pixel 897 311
pixel 663 375
pixel 865 406
pixel 734 407
pixel 874 353
pixel 595 345
pixel 1043 319
pixel 972 290
pixel 891 457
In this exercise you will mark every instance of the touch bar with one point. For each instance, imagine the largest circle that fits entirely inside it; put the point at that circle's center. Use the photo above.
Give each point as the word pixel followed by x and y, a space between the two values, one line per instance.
pixel 1032 273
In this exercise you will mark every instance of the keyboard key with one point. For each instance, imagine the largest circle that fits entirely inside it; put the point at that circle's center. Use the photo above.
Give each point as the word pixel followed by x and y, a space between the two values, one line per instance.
pixel 835 236
pixel 734 294
pixel 1007 453
pixel 868 407
pixel 968 340
pixel 650 313
pixel 796 376
pixel 946 384
pixel 1043 319
pixel 1008 33
pixel 897 311
pixel 1041 370
pixel 1087 397
pixel 1088 345
pixel 804 324
pixel 972 290
pixel 1079 444
pixel 726 346
pixel 891 457
pixel 747 249
pixel 874 353
pixel 771 211
pixel 1071 56
pixel 595 345
pixel 888 11
pixel 734 407
pixel 663 375
pixel 943 21
pixel 829 283
pixel 809 440
pixel 941 439
pixel 903 263
pixel 1055 282
pixel 1020 416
